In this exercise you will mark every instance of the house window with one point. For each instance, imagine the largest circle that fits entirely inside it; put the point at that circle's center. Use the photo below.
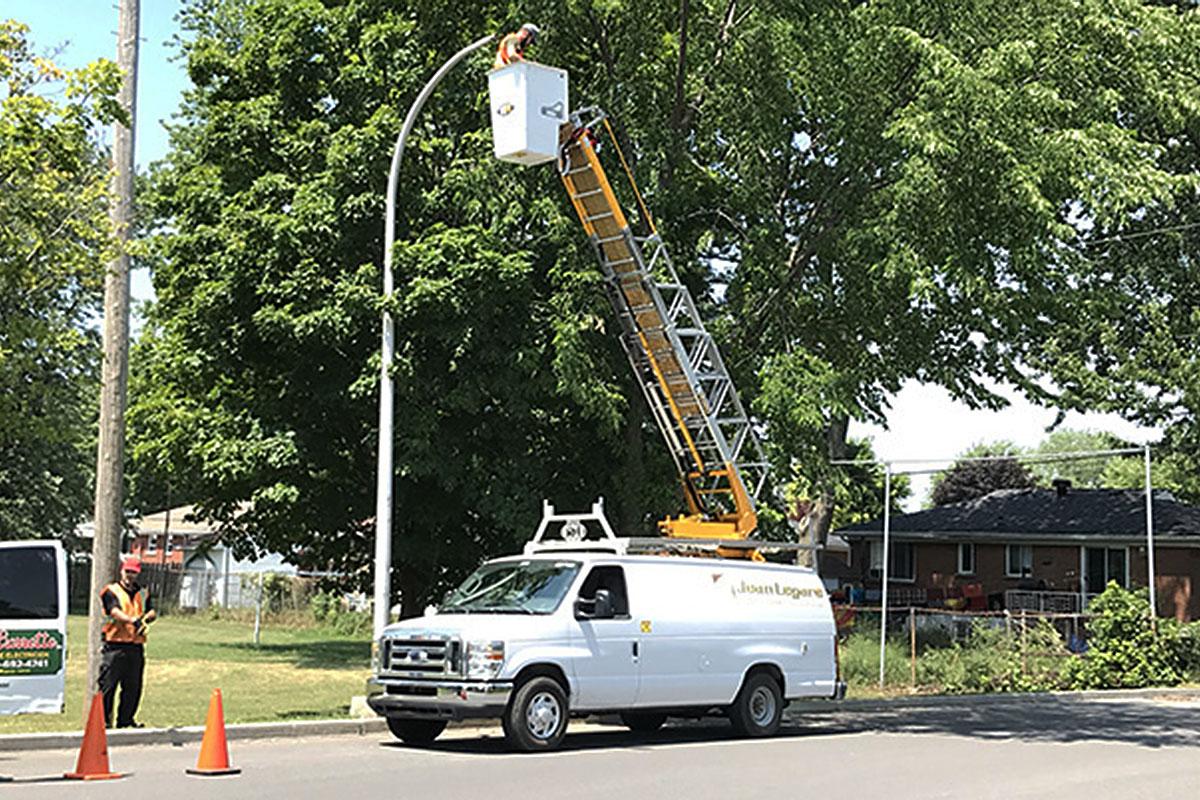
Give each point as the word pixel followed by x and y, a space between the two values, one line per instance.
pixel 1018 560
pixel 170 545
pixel 904 561
pixel 1104 564
pixel 966 558
pixel 151 544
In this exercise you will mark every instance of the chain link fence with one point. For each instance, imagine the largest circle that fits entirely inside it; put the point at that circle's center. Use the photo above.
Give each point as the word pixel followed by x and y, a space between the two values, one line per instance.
pixel 174 589
pixel 926 647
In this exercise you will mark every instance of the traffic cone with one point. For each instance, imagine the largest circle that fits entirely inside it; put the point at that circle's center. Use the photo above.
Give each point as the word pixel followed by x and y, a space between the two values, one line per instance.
pixel 93 753
pixel 214 753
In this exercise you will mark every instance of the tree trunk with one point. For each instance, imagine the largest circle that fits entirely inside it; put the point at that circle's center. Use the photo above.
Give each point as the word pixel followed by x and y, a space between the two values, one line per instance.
pixel 821 518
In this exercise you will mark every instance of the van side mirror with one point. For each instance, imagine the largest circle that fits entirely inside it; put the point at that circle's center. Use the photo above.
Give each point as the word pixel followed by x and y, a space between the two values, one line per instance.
pixel 584 608
pixel 598 607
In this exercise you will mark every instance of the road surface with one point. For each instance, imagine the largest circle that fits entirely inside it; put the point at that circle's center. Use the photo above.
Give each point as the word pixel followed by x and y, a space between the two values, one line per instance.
pixel 1052 748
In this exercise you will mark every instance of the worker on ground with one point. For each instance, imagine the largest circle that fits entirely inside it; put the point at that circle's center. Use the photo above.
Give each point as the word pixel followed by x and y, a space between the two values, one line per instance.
pixel 127 606
pixel 512 47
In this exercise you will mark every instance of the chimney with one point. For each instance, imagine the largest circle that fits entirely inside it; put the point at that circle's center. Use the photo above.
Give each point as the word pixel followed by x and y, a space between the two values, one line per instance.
pixel 1061 486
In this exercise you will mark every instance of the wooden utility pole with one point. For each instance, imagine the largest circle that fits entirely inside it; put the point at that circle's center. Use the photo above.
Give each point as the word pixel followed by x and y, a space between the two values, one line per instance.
pixel 110 473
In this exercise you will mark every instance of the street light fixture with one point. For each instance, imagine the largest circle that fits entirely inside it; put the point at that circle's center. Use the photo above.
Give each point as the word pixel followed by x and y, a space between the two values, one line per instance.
pixel 383 492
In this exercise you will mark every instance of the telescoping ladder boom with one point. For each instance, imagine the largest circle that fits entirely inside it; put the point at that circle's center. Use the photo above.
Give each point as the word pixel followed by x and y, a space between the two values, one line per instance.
pixel 676 361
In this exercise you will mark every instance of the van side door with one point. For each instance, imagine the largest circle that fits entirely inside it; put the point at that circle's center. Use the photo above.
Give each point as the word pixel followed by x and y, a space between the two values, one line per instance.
pixel 604 636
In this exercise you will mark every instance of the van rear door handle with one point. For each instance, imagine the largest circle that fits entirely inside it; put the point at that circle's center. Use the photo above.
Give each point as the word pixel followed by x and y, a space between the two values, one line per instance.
pixel 636 650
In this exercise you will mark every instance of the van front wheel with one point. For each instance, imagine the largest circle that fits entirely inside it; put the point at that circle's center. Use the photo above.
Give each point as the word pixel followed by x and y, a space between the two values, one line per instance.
pixel 536 718
pixel 758 708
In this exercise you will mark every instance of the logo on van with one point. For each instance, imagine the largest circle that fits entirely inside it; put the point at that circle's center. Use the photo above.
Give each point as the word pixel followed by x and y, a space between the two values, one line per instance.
pixel 776 590
pixel 505 109
pixel 38 652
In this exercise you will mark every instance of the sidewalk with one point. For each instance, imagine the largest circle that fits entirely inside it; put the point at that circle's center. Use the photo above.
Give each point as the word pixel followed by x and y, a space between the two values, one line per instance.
pixel 796 713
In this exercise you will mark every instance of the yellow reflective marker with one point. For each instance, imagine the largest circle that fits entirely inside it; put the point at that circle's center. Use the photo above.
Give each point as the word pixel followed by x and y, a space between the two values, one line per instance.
pixel 645 626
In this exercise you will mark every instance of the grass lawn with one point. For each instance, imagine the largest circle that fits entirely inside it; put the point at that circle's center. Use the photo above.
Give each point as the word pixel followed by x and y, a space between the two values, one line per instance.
pixel 296 672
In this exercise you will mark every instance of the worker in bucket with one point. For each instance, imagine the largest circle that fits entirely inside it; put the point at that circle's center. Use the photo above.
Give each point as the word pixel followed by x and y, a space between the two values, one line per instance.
pixel 512 47
pixel 123 657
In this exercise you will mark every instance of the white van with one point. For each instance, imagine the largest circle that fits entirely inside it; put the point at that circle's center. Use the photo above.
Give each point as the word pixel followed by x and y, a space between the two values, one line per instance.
pixel 33 627
pixel 579 626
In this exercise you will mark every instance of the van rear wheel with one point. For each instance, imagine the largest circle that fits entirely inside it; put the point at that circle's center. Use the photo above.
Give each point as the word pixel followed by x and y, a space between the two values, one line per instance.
pixel 415 731
pixel 758 708
pixel 642 721
pixel 536 718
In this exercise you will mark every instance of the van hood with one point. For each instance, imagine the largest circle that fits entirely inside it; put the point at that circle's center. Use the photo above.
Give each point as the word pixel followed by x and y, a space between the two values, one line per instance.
pixel 474 626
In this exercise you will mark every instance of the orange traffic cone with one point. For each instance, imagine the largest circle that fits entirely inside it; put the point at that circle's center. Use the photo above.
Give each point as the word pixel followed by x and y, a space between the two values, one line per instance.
pixel 214 753
pixel 93 753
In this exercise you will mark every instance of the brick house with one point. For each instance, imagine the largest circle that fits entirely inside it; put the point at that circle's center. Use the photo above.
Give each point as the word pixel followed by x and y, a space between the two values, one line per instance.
pixel 183 543
pixel 166 537
pixel 1049 549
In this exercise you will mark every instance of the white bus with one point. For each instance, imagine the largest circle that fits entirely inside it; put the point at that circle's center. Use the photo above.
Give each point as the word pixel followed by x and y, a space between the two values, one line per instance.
pixel 33 627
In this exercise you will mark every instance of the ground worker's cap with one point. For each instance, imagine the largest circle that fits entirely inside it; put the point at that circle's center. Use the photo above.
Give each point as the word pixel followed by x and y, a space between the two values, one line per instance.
pixel 531 29
pixel 131 565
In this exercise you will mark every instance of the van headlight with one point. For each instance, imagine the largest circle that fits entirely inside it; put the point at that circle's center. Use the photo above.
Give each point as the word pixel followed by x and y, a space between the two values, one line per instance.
pixel 377 656
pixel 484 659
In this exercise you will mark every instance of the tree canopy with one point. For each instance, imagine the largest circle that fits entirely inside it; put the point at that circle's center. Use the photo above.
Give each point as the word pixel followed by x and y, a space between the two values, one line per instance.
pixel 54 242
pixel 862 194
pixel 969 479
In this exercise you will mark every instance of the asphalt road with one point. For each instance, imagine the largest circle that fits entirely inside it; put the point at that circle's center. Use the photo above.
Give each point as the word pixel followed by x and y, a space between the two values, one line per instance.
pixel 1051 748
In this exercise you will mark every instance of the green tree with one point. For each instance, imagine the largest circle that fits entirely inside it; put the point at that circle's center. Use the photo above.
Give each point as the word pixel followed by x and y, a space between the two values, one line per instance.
pixel 1172 467
pixel 967 479
pixel 860 196
pixel 1173 471
pixel 1083 473
pixel 916 204
pixel 54 242
pixel 256 385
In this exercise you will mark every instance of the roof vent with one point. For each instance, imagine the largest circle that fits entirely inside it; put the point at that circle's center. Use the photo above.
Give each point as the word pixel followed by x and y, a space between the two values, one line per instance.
pixel 1061 486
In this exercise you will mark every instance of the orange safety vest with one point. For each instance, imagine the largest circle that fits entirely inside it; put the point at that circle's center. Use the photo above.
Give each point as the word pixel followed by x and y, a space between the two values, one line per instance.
pixel 123 631
pixel 509 50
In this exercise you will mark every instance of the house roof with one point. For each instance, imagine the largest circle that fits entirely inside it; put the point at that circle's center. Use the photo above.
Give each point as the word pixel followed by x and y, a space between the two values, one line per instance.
pixel 1045 513
pixel 180 521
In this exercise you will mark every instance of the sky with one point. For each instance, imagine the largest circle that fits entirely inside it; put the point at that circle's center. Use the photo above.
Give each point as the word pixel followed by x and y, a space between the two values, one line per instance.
pixel 77 32
pixel 923 422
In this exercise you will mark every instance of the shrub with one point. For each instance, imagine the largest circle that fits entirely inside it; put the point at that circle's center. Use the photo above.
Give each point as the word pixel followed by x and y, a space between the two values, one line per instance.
pixel 859 659
pixel 326 608
pixel 995 660
pixel 1123 651
pixel 1187 650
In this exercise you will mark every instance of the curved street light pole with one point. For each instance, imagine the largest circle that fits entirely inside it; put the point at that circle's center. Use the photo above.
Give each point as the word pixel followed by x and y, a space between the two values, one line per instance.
pixel 383 492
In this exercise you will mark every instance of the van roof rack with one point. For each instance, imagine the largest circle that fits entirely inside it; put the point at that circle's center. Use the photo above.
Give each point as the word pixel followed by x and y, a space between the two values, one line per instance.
pixel 591 533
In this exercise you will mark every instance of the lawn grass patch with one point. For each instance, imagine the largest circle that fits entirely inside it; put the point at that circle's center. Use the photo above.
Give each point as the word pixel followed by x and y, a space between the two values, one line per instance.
pixel 296 672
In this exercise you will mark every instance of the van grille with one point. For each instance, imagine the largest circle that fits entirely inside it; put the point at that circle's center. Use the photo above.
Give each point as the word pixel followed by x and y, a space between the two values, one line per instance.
pixel 422 656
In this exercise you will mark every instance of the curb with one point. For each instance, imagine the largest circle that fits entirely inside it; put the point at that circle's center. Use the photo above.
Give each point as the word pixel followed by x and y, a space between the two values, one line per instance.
pixel 194 733
pixel 1174 693
pixel 362 727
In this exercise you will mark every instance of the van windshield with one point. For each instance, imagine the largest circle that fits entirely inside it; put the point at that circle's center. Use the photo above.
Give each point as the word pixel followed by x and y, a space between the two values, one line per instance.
pixel 513 587
pixel 28 583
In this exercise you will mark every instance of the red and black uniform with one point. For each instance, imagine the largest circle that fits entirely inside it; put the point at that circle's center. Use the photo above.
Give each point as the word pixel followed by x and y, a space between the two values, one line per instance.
pixel 123 656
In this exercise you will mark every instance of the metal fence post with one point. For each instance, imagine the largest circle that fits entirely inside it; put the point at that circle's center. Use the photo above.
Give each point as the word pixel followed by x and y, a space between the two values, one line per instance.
pixel 912 647
pixel 1024 631
pixel 258 609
